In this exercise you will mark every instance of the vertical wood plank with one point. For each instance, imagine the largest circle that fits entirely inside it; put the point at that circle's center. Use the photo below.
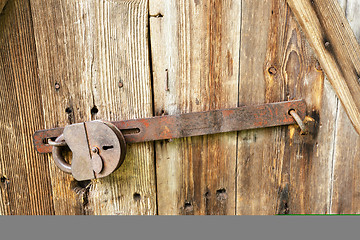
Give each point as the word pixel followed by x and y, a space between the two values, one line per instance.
pixel 195 56
pixel 121 85
pixel 345 188
pixel 278 168
pixel 25 186
pixel 254 147
pixel 85 50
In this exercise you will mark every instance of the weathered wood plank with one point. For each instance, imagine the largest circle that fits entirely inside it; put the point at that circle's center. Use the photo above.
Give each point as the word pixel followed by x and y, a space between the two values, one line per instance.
pixel 345 188
pixel 88 48
pixel 2 4
pixel 306 168
pixel 253 195
pixel 331 37
pixel 277 167
pixel 195 53
pixel 25 186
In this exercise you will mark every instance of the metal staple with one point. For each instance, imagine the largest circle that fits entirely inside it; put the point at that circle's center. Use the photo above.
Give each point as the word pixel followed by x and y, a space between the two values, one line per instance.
pixel 299 121
pixel 57 144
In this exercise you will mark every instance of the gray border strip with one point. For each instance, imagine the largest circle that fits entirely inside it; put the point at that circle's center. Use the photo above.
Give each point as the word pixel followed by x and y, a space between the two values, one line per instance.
pixel 179 227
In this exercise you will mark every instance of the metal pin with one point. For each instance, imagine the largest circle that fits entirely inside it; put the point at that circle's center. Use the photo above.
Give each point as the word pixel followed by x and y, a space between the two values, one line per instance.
pixel 167 80
pixel 299 122
pixel 95 150
pixel 56 144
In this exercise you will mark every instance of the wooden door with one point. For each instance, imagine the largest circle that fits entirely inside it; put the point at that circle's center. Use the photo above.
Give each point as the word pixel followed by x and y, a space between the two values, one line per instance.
pixel 63 62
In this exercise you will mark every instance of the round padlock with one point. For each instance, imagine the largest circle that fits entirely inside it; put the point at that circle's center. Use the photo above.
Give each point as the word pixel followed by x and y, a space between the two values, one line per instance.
pixel 98 149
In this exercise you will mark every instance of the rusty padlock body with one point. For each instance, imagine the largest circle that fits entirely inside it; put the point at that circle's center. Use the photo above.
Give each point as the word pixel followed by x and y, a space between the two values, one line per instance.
pixel 91 142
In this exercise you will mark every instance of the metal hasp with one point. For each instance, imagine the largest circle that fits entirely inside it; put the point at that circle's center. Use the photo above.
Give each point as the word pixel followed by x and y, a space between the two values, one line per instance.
pixel 99 147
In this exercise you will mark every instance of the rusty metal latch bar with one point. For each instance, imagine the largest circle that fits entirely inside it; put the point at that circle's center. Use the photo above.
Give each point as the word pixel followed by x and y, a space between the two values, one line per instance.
pixel 193 124
pixel 99 147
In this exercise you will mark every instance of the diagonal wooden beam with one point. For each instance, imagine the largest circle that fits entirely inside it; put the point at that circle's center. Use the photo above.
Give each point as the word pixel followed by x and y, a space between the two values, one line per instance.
pixel 336 47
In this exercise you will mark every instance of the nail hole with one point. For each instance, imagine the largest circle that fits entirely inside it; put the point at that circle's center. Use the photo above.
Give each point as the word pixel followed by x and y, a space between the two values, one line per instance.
pixel 57 86
pixel 94 110
pixel 68 110
pixel 137 196
pixel 3 179
pixel 80 186
pixel 207 195
pixel 107 147
pixel 272 70
pixel 221 194
pixel 188 207
pixel 159 15
pixel 327 44
pixel 120 84
pixel 162 112
pixel 318 66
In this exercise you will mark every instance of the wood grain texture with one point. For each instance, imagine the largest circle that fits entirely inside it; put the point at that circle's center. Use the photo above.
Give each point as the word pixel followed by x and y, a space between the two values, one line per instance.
pixel 345 188
pixel 87 48
pixel 195 56
pixel 278 170
pixel 253 193
pixel 25 186
pixel 2 4
pixel 86 60
pixel 333 40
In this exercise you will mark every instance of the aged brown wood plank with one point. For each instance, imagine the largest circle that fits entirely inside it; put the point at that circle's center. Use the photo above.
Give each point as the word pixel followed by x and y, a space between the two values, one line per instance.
pixel 25 186
pixel 253 195
pixel 345 188
pixel 335 45
pixel 195 56
pixel 2 4
pixel 277 168
pixel 96 52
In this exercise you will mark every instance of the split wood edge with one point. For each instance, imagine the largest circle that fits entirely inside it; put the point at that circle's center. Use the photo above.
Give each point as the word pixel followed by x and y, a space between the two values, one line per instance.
pixel 331 37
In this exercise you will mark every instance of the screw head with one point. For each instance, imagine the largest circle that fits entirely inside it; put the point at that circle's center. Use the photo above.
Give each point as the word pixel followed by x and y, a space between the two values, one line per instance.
pixel 95 150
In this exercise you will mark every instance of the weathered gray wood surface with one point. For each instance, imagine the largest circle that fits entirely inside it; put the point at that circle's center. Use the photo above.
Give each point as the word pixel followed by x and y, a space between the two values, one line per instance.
pixel 346 159
pixel 25 186
pixel 195 55
pixel 88 48
pixel 277 168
